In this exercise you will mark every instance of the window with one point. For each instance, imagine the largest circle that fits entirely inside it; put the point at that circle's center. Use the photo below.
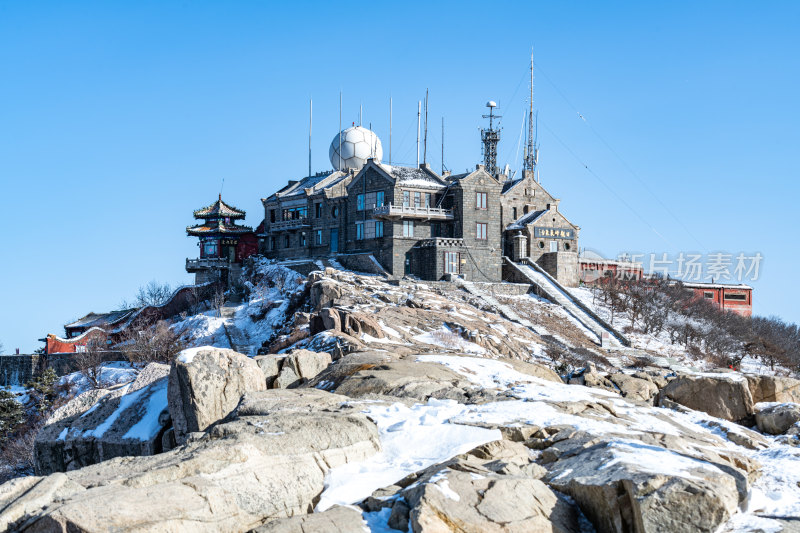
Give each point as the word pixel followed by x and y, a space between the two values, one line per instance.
pixel 567 246
pixel 272 243
pixel 318 210
pixel 427 199
pixel 480 231
pixel 360 202
pixel 303 241
pixel 379 199
pixel 406 199
pixel 286 241
pixel 319 236
pixel 481 200
pixel 737 297
pixel 359 231
pixel 451 262
pixel 541 244
pixel 708 295
pixel 416 199
pixel 335 211
pixel 553 246
pixel 378 228
pixel 294 213
pixel 408 228
pixel 210 249
pixel 514 213
pixel 272 215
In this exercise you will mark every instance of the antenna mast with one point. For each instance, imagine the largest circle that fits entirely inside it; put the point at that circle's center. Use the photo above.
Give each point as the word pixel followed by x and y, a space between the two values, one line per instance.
pixel 425 149
pixel 490 139
pixel 340 130
pixel 442 145
pixel 419 112
pixel 531 150
pixel 390 131
pixel 310 122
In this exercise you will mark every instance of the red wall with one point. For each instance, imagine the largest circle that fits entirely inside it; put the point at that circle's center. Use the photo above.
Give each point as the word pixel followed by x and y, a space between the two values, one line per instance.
pixel 741 307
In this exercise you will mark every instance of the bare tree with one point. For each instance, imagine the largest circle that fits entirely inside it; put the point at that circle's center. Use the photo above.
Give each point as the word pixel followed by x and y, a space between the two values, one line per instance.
pixel 218 300
pixel 151 343
pixel 90 360
pixel 154 293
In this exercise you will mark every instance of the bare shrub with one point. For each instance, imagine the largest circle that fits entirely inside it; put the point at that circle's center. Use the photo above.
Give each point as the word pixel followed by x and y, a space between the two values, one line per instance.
pixel 152 343
pixel 89 362
pixel 447 338
pixel 562 360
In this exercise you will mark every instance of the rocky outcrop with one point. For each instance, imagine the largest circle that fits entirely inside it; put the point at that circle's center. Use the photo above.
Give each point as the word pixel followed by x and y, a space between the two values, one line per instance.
pixel 776 419
pixel 292 369
pixel 337 519
pixel 774 389
pixel 128 421
pixel 634 388
pixel 724 396
pixel 206 384
pixel 494 488
pixel 624 487
pixel 243 473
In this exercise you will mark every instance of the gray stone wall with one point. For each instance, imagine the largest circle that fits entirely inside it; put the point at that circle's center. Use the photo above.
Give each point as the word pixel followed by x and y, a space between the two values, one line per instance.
pixel 561 265
pixel 16 370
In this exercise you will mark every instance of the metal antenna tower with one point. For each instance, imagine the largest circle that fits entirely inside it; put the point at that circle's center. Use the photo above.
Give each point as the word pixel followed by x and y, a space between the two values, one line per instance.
pixel 490 137
pixel 531 150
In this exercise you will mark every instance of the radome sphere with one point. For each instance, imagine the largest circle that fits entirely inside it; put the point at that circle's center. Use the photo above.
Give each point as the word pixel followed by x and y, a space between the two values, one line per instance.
pixel 358 145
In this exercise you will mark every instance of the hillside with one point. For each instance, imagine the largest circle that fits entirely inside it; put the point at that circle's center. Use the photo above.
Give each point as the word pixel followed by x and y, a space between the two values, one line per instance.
pixel 362 403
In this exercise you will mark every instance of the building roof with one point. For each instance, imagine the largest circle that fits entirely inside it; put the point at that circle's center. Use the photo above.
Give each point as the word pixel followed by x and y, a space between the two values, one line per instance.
pixel 526 219
pixel 693 285
pixel 218 226
pixel 510 184
pixel 219 209
pixel 101 320
pixel 414 177
pixel 316 183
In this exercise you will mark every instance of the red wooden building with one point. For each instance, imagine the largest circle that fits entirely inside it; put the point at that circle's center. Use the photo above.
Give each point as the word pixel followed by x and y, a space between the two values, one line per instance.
pixel 734 298
pixel 594 270
pixel 223 243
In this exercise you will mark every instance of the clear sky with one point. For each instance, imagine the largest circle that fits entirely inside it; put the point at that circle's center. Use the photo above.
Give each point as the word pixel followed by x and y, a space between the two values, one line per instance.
pixel 117 119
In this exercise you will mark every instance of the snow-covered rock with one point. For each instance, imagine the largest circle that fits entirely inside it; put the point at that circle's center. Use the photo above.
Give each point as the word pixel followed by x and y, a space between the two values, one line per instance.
pixel 206 384
pixel 777 418
pixel 98 425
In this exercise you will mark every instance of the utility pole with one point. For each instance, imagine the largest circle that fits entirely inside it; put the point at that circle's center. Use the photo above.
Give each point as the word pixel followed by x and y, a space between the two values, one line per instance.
pixel 425 143
pixel 310 122
pixel 390 131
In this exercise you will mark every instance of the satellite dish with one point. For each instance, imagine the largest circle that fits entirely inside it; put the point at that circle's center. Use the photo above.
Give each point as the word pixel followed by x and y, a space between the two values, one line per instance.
pixel 491 103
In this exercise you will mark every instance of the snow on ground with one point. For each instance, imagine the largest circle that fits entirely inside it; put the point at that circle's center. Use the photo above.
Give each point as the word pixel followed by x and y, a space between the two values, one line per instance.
pixel 412 439
pixel 203 329
pixel 445 338
pixel 111 373
pixel 21 394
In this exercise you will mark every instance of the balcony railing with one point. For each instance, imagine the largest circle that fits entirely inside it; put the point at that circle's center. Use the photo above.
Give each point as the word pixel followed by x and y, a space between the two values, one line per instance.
pixel 295 223
pixel 207 263
pixel 445 242
pixel 409 211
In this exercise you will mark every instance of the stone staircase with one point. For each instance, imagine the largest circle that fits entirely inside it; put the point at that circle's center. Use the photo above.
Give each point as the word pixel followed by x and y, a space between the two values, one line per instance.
pixel 556 293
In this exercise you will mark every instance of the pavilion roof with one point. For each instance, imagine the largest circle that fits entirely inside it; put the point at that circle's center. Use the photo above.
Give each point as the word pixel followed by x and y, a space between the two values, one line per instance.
pixel 219 209
pixel 215 227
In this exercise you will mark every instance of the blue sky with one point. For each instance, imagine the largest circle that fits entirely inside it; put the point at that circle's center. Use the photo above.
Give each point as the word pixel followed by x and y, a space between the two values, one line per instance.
pixel 117 119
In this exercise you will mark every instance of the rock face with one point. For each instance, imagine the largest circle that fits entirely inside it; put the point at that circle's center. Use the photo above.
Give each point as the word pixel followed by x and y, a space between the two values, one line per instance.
pixel 293 369
pixel 130 420
pixel 720 395
pixel 776 419
pixel 490 489
pixel 621 495
pixel 774 389
pixel 337 519
pixel 206 384
pixel 244 472
pixel 634 388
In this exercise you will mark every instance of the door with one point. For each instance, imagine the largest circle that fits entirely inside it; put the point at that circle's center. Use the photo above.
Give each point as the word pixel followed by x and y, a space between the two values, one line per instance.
pixel 553 246
pixel 334 241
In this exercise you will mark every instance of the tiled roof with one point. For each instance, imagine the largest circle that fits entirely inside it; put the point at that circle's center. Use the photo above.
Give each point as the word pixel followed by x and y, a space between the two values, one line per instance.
pixel 413 177
pixel 218 226
pixel 317 182
pixel 219 209
pixel 101 319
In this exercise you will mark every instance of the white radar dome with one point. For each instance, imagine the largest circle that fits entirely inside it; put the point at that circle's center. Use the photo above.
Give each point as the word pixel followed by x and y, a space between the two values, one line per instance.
pixel 357 144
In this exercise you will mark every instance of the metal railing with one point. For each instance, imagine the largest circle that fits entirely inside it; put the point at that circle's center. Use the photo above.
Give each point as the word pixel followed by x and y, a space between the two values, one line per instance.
pixel 409 211
pixel 207 263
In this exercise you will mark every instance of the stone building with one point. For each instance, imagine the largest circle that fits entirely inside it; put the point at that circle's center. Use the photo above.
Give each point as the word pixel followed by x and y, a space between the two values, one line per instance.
pixel 416 222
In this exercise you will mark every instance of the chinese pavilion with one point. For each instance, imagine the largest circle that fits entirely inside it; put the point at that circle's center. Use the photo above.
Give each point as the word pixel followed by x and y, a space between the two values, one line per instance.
pixel 223 243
